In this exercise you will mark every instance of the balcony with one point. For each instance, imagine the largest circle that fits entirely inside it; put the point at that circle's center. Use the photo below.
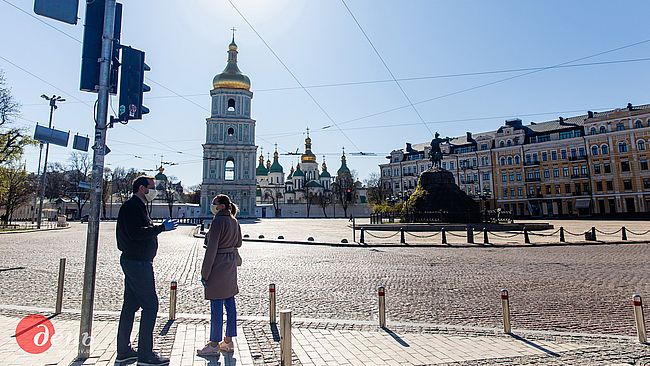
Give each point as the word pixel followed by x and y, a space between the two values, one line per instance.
pixel 577 158
pixel 531 162
pixel 533 179
pixel 579 176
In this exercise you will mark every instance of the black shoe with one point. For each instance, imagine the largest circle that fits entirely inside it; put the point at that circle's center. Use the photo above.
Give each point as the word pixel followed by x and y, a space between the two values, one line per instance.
pixel 129 356
pixel 153 360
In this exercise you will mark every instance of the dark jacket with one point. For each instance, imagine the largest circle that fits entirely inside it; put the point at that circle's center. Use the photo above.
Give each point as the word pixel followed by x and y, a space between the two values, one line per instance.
pixel 219 268
pixel 137 236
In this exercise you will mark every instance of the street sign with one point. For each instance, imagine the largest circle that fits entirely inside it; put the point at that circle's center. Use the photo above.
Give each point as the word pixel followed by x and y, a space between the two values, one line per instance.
pixel 51 136
pixel 106 150
pixel 61 10
pixel 80 143
pixel 84 185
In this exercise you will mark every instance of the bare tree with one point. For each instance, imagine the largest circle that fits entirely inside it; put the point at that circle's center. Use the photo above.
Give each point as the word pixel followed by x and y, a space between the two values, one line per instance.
pixel 12 140
pixel 78 175
pixel 274 195
pixel 342 189
pixel 325 200
pixel 376 192
pixel 172 193
pixel 16 188
pixel 310 199
pixel 107 189
pixel 194 194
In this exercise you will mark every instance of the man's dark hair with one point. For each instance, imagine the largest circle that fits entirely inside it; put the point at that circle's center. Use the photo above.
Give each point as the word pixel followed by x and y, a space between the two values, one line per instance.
pixel 142 180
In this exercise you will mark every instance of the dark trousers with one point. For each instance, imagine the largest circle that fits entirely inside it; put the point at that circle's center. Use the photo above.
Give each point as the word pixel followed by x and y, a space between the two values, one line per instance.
pixel 139 292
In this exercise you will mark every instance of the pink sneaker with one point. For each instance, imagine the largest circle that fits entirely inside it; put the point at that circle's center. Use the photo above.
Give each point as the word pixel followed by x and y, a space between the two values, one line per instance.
pixel 208 351
pixel 227 347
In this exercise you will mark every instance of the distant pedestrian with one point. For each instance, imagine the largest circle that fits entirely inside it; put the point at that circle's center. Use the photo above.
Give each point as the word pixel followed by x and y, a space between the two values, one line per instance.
pixel 219 275
pixel 137 239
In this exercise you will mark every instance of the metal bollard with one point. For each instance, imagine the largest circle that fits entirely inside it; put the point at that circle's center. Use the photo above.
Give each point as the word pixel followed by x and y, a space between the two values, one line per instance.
pixel 526 238
pixel 285 337
pixel 444 236
pixel 172 300
pixel 362 239
pixel 402 240
pixel 623 233
pixel 382 306
pixel 202 227
pixel 59 291
pixel 638 317
pixel 593 233
pixel 470 235
pixel 505 304
pixel 272 303
pixel 562 240
pixel 486 240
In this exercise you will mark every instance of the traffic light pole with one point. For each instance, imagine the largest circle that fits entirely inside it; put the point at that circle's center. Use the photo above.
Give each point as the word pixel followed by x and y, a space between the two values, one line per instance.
pixel 90 269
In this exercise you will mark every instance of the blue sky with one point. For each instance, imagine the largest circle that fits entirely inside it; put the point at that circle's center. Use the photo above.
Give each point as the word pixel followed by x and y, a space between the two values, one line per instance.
pixel 320 43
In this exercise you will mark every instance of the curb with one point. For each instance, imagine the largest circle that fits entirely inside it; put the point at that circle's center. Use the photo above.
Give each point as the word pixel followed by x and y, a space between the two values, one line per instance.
pixel 33 230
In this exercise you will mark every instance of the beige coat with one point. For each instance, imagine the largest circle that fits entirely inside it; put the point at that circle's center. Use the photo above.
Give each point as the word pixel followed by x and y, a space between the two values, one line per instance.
pixel 219 268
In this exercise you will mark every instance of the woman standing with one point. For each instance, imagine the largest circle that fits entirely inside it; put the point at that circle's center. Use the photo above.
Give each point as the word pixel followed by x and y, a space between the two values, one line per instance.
pixel 219 274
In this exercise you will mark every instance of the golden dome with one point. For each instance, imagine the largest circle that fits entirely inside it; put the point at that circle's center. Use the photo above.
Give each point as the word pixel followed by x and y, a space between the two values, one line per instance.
pixel 231 77
pixel 308 156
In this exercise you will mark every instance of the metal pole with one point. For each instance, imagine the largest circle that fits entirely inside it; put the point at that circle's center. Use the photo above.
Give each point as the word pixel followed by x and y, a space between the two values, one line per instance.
pixel 272 303
pixel 505 304
pixel 172 300
pixel 34 210
pixel 444 236
pixel 362 239
pixel 562 240
pixel 623 233
pixel 59 291
pixel 43 176
pixel 638 317
pixel 90 268
pixel 526 237
pixel 354 227
pixel 382 306
pixel 285 337
pixel 470 235
pixel 486 239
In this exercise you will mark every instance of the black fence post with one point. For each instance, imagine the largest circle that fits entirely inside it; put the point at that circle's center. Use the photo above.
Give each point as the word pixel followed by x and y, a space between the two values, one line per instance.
pixel 470 234
pixel 362 240
pixel 486 240
pixel 402 240
pixel 444 236
pixel 593 233
pixel 526 238
pixel 623 233
pixel 562 240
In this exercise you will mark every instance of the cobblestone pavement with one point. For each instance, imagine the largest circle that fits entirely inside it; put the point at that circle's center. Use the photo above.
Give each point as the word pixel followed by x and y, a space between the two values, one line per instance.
pixel 565 288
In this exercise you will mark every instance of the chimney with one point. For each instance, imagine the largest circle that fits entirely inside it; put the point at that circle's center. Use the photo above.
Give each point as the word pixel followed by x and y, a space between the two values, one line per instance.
pixel 515 122
pixel 408 147
pixel 630 107
pixel 469 136
pixel 590 114
pixel 561 120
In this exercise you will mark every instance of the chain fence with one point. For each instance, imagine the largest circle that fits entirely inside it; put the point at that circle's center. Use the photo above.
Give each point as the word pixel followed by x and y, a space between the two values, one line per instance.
pixel 422 236
pixel 612 233
pixel 381 237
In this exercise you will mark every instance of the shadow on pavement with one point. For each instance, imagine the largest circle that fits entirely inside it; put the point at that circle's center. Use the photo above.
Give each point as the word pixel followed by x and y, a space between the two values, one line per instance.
pixel 396 337
pixel 535 345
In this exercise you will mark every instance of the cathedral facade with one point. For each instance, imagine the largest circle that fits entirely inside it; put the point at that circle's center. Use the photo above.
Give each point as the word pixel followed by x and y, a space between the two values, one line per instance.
pixel 229 149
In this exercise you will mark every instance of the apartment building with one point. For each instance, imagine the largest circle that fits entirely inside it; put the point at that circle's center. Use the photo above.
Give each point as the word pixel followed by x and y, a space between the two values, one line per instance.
pixel 592 164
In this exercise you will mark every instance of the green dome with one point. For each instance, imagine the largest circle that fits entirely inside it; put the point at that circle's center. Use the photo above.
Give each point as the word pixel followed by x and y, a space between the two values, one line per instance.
pixel 313 184
pixel 298 172
pixel 325 174
pixel 276 167
pixel 261 169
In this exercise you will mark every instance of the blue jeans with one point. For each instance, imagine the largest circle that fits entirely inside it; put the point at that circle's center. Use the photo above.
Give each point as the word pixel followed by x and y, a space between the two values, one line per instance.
pixel 139 292
pixel 216 319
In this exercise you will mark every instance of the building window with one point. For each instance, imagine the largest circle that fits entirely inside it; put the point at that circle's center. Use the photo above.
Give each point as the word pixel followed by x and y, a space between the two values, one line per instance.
pixel 517 161
pixel 597 169
pixel 231 131
pixel 610 185
pixel 556 172
pixel 544 156
pixel 547 174
pixel 622 147
pixel 574 153
pixel 451 165
pixel 604 149
pixel 599 186
pixel 583 170
pixel 594 150
pixel 575 170
pixel 504 178
pixel 581 152
pixel 231 105
pixel 520 191
pixel 627 185
pixel 640 145
pixel 644 164
pixel 602 129
pixel 512 177
pixel 553 155
pixel 484 146
pixel 503 161
pixel 519 177
pixel 565 171
pixel 501 144
pixel 567 188
pixel 638 123
pixel 646 183
pixel 509 143
pixel 608 168
pixel 509 160
pixel 593 131
pixel 566 135
pixel 563 154
pixel 548 189
pixel 486 176
pixel 625 166
pixel 512 192
pixel 229 169
pixel 620 127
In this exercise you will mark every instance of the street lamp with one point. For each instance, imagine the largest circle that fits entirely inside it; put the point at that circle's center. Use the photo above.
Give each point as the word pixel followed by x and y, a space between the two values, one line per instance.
pixel 53 99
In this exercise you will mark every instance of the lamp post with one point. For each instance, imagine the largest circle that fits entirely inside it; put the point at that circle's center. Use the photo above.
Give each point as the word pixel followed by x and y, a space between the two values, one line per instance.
pixel 53 99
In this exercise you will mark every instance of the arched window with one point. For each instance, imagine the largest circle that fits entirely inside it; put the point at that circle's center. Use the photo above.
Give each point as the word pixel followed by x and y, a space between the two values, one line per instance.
pixel 231 131
pixel 604 149
pixel 502 144
pixel 509 160
pixel 231 105
pixel 640 145
pixel 593 131
pixel 622 147
pixel 620 127
pixel 230 169
pixel 594 150
pixel 503 160
pixel 602 129
pixel 638 123
pixel 517 159
pixel 509 142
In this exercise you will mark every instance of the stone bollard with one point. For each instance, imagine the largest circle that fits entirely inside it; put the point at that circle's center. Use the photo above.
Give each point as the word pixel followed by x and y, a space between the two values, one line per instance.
pixel 444 236
pixel 402 240
pixel 486 240
pixel 526 238
pixel 638 317
pixel 562 240
pixel 382 306
pixel 285 337
pixel 470 235
pixel 623 233
pixel 593 233
pixel 59 291
pixel 505 304
pixel 172 300
pixel 272 303
pixel 362 239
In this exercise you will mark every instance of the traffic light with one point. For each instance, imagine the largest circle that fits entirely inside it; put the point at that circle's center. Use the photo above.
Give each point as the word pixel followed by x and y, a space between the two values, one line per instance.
pixel 132 84
pixel 348 195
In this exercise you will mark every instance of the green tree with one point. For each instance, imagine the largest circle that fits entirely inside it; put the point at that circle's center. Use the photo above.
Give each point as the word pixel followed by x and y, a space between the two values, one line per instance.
pixel 16 188
pixel 13 140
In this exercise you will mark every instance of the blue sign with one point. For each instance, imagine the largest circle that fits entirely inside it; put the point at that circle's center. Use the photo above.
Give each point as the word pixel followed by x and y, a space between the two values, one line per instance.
pixel 51 136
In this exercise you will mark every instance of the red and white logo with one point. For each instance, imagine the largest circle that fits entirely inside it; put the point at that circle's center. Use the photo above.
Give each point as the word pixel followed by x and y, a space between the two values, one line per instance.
pixel 34 333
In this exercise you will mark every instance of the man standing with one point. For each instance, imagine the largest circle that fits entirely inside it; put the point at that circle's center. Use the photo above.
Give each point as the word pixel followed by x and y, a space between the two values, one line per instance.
pixel 137 239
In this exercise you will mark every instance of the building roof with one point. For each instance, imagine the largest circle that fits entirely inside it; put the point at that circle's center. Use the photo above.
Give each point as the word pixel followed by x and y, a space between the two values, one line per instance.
pixel 313 184
pixel 231 77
